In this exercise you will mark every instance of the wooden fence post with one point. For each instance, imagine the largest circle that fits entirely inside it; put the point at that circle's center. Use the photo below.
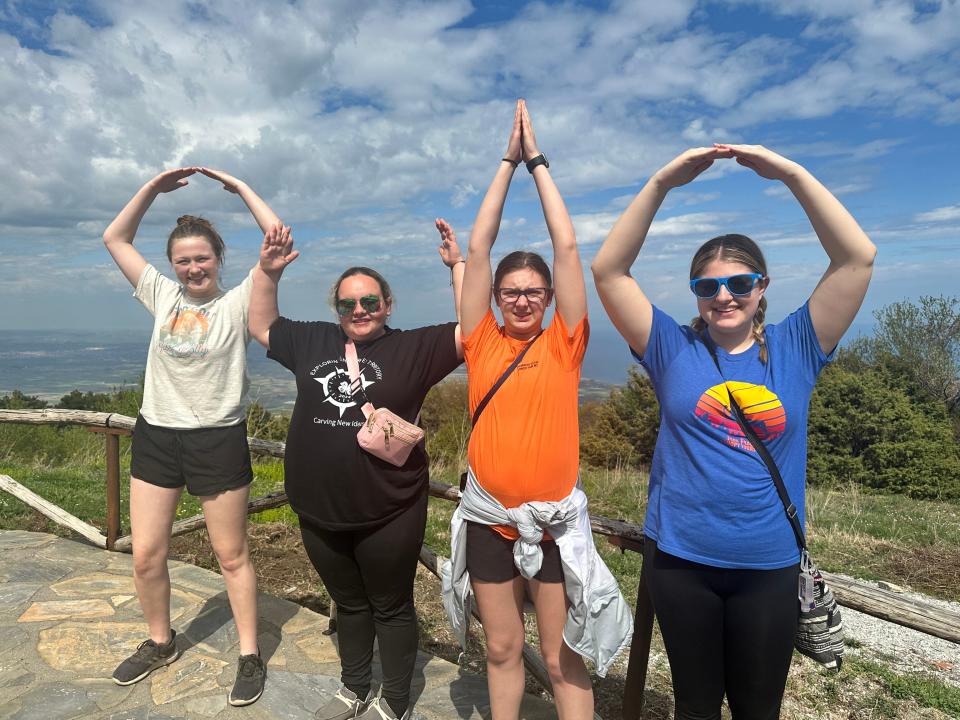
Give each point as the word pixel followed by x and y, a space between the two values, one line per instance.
pixel 112 437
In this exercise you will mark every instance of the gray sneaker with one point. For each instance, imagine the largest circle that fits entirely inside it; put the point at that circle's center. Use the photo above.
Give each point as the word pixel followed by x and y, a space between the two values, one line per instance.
pixel 343 706
pixel 380 709
pixel 251 675
pixel 148 657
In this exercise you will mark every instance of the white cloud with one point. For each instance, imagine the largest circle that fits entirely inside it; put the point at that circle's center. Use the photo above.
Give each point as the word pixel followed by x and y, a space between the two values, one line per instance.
pixel 938 215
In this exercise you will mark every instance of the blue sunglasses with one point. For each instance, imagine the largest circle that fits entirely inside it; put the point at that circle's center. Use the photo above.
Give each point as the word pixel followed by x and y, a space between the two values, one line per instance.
pixel 707 287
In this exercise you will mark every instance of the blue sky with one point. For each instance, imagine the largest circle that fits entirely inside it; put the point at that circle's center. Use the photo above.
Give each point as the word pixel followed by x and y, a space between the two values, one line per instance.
pixel 361 121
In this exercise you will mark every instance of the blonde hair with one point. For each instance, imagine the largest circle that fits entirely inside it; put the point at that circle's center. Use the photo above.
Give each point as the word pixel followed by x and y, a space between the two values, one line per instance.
pixel 739 249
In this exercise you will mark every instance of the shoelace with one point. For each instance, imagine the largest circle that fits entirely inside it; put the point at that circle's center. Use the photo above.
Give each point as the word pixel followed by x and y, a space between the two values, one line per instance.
pixel 143 649
pixel 249 665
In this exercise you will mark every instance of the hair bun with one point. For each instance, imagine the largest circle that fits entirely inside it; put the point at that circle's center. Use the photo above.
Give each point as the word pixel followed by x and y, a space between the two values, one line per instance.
pixel 193 220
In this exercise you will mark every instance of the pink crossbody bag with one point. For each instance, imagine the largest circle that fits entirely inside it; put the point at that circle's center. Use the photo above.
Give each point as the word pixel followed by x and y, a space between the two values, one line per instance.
pixel 385 434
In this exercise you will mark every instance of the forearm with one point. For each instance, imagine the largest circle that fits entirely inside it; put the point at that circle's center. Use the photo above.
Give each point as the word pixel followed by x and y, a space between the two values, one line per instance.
pixel 265 217
pixel 619 251
pixel 841 236
pixel 264 309
pixel 555 213
pixel 487 224
pixel 456 280
pixel 124 227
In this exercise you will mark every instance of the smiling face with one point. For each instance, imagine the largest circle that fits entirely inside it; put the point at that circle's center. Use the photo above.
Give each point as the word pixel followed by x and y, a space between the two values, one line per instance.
pixel 523 318
pixel 196 266
pixel 361 324
pixel 730 317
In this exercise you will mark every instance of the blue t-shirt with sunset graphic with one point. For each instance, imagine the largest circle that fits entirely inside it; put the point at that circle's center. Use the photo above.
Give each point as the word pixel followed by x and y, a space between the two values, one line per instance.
pixel 711 498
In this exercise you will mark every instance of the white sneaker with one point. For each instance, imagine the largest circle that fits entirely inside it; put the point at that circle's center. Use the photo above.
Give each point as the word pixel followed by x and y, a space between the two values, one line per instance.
pixel 380 709
pixel 343 706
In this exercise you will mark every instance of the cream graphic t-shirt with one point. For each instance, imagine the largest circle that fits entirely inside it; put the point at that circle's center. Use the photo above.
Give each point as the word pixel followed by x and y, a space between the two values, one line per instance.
pixel 197 362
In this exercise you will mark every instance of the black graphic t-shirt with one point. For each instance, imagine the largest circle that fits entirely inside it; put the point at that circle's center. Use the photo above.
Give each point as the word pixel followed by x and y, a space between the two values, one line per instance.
pixel 330 480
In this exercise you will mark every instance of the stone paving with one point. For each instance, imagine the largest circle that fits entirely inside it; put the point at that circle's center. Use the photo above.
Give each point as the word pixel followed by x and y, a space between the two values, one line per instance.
pixel 69 614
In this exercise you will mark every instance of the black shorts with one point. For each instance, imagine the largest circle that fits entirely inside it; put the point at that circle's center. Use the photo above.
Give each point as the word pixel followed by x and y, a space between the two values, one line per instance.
pixel 207 460
pixel 490 557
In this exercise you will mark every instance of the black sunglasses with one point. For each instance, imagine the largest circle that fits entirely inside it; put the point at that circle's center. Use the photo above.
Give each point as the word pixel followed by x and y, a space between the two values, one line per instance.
pixel 370 303
pixel 708 287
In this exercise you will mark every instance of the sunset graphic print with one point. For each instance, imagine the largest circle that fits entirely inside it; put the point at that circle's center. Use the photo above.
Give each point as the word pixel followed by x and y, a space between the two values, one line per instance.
pixel 184 334
pixel 762 408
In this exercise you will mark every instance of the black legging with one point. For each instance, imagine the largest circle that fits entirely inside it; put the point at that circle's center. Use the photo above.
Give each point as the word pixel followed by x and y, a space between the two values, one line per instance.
pixel 369 574
pixel 725 631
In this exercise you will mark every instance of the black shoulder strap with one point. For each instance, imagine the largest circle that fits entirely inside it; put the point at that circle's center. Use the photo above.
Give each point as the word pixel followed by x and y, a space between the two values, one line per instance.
pixel 748 430
pixel 506 374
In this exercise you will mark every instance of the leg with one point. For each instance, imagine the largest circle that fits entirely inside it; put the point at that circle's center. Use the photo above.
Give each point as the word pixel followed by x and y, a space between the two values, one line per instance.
pixel 388 557
pixel 689 611
pixel 759 627
pixel 571 682
pixel 332 554
pixel 500 605
pixel 226 517
pixel 151 515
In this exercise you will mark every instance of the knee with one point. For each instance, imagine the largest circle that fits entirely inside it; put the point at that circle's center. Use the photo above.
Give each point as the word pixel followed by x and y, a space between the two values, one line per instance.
pixel 564 666
pixel 504 649
pixel 232 558
pixel 149 564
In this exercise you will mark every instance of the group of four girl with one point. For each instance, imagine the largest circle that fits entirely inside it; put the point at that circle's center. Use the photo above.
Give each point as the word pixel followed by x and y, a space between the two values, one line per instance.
pixel 721 557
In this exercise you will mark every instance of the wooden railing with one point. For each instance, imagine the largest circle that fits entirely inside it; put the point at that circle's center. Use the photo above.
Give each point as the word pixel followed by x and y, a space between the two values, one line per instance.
pixel 625 535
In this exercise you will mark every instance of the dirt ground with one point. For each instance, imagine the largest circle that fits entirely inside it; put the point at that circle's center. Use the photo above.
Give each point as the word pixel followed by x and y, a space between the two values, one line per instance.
pixel 283 570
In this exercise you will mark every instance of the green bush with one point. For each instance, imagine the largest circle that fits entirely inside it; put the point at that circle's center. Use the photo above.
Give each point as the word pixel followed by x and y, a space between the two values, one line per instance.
pixel 868 427
pixel 622 430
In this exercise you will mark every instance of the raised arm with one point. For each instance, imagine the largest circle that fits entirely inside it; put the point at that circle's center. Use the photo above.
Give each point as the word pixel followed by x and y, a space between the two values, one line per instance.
pixel 452 257
pixel 478 276
pixel 569 288
pixel 265 217
pixel 840 292
pixel 275 254
pixel 118 237
pixel 625 303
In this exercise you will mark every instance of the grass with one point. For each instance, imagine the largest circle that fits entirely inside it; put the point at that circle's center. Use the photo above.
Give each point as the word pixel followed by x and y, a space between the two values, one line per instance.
pixel 905 541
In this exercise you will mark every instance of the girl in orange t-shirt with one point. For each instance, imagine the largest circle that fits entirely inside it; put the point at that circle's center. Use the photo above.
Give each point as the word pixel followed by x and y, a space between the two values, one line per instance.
pixel 525 444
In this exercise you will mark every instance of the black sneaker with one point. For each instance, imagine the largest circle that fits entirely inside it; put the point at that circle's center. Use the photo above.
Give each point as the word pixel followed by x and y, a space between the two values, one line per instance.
pixel 251 675
pixel 148 657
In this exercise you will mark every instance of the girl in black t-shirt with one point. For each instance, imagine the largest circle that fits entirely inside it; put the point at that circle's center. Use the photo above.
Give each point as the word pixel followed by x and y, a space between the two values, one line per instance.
pixel 362 519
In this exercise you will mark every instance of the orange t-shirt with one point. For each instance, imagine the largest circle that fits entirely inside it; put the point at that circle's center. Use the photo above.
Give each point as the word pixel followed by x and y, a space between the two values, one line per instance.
pixel 526 444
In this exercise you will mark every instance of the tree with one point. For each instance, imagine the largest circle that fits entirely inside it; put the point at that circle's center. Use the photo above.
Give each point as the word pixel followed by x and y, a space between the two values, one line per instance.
pixel 926 339
pixel 623 428
pixel 18 401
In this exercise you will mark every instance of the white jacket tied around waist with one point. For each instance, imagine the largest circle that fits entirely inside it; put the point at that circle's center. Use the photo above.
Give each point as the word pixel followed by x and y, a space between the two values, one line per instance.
pixel 599 622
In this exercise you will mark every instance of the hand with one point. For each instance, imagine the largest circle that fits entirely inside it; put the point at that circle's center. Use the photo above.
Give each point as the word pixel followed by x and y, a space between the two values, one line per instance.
pixel 765 163
pixel 277 251
pixel 230 183
pixel 688 165
pixel 527 137
pixel 449 249
pixel 171 180
pixel 514 147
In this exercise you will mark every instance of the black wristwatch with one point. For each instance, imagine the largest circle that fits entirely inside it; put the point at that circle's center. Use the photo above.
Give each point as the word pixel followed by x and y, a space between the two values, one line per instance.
pixel 540 159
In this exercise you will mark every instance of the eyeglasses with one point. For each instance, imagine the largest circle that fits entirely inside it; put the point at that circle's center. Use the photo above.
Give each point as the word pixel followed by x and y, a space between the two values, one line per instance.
pixel 534 295
pixel 707 287
pixel 370 303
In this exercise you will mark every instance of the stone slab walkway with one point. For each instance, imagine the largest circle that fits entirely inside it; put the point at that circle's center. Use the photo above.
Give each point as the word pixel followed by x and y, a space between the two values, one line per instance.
pixel 69 614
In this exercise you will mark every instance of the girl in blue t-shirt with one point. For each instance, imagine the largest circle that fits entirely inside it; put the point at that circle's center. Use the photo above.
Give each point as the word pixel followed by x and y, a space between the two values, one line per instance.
pixel 722 561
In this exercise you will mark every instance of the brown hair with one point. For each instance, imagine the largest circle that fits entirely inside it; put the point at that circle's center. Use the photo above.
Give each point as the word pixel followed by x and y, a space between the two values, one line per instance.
pixel 190 226
pixel 739 249
pixel 385 291
pixel 517 260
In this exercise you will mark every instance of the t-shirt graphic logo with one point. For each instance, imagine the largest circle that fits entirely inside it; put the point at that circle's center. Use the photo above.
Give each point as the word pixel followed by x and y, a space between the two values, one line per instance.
pixel 184 334
pixel 336 387
pixel 762 408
